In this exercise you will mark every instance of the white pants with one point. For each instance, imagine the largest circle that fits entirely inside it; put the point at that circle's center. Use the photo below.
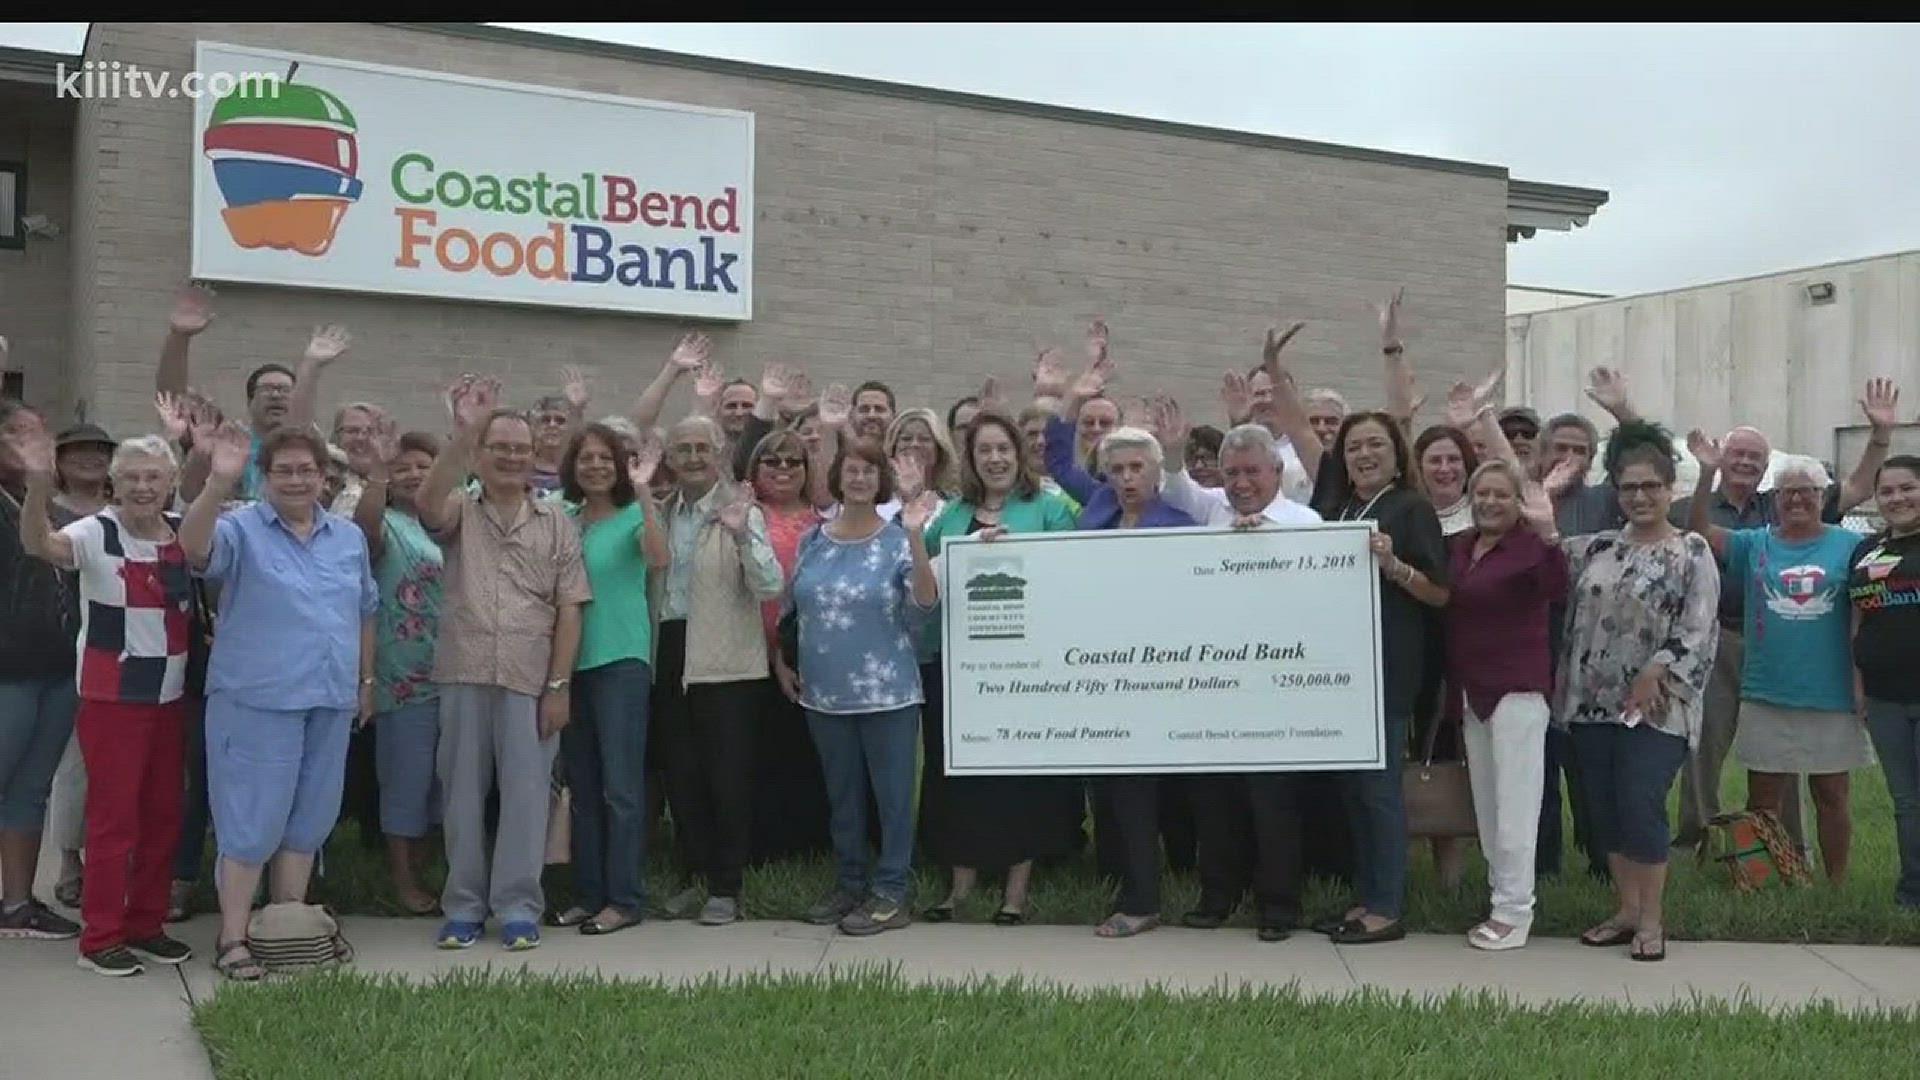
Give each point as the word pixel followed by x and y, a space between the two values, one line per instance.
pixel 67 804
pixel 1506 761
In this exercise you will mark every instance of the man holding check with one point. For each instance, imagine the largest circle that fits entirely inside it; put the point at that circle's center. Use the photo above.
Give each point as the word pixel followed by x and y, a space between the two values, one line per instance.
pixel 1248 823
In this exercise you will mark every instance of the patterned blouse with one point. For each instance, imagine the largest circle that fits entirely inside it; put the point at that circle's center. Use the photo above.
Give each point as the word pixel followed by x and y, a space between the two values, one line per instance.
pixel 1631 605
pixel 409 577
pixel 857 620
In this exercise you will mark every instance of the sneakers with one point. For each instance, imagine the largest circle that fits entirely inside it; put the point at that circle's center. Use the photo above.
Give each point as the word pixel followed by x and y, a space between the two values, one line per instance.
pixel 684 904
pixel 876 915
pixel 35 920
pixel 719 911
pixel 458 935
pixel 832 907
pixel 520 936
pixel 114 961
pixel 162 949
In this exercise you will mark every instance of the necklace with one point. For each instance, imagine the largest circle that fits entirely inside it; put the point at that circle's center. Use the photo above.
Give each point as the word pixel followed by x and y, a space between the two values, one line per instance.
pixel 1347 515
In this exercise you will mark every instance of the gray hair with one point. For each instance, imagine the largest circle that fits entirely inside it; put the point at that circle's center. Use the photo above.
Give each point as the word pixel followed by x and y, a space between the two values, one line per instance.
pixel 1331 397
pixel 1801 465
pixel 1248 437
pixel 705 423
pixel 368 407
pixel 142 446
pixel 624 426
pixel 1129 438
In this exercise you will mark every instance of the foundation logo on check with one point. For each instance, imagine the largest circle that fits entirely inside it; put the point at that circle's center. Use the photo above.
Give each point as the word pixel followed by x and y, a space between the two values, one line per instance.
pixel 997 601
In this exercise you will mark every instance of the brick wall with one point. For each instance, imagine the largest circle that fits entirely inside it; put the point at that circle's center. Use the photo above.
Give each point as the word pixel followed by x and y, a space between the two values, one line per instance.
pixel 921 242
pixel 36 312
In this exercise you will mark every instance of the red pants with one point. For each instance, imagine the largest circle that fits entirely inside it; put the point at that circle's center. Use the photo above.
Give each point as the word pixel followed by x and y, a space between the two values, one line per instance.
pixel 135 792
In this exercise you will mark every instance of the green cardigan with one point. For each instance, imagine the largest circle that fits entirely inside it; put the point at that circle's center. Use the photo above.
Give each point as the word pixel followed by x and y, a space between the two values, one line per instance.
pixel 1045 512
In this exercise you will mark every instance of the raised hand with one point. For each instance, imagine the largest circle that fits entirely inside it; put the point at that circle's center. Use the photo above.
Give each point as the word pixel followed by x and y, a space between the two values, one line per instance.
pixel 1560 478
pixel 203 417
pixel 192 310
pixel 474 401
pixel 1389 317
pixel 1536 506
pixel 573 387
pixel 909 479
pixel 1097 342
pixel 1881 404
pixel 1704 450
pixel 174 417
pixel 1608 388
pixel 32 443
pixel 799 393
pixel 1276 341
pixel 990 396
pixel 709 380
pixel 1093 381
pixel 775 379
pixel 644 462
pixel 232 444
pixel 454 390
pixel 690 353
pixel 1465 402
pixel 733 515
pixel 1169 426
pixel 915 515
pixel 1136 412
pixel 836 405
pixel 1236 397
pixel 328 344
pixel 385 441
pixel 1050 374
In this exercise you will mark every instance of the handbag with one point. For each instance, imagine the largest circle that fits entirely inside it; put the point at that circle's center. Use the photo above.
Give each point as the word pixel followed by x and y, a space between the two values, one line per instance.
pixel 296 936
pixel 787 633
pixel 1756 851
pixel 1438 794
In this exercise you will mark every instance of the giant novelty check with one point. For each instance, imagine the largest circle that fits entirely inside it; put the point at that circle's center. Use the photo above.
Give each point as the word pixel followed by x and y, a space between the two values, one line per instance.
pixel 1163 651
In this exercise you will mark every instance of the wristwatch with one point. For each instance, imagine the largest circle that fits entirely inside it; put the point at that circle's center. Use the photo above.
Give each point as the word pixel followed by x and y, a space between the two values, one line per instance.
pixel 558 684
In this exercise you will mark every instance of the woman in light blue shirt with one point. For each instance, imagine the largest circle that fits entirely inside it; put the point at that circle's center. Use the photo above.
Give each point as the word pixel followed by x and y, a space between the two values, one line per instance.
pixel 861 586
pixel 1796 682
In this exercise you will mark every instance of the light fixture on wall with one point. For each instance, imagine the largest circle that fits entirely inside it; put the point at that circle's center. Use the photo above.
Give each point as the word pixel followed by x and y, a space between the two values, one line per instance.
pixel 13 201
pixel 1820 292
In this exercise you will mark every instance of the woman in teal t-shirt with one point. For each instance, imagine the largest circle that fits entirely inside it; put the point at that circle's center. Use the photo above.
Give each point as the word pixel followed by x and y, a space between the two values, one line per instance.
pixel 604 746
pixel 1796 681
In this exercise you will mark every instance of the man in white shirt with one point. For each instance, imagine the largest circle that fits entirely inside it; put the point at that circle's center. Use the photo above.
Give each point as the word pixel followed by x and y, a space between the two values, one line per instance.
pixel 1252 481
pixel 1247 824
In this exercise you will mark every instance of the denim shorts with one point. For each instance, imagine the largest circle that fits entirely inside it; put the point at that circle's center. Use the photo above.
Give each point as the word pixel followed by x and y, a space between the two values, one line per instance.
pixel 274 779
pixel 36 720
pixel 1625 774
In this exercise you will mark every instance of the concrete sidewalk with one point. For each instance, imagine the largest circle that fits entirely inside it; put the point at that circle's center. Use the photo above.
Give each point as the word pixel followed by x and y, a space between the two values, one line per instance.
pixel 62 1021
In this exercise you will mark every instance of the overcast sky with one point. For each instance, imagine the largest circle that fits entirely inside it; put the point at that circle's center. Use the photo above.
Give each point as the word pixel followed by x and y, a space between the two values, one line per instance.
pixel 1728 151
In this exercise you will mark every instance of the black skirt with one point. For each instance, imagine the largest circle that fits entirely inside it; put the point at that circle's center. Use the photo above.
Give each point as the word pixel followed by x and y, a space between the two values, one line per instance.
pixel 988 822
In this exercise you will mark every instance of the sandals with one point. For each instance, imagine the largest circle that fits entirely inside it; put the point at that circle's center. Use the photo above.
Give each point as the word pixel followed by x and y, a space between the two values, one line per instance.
pixel 1614 936
pixel 243 967
pixel 573 916
pixel 938 913
pixel 595 928
pixel 1641 943
pixel 1125 926
pixel 1004 917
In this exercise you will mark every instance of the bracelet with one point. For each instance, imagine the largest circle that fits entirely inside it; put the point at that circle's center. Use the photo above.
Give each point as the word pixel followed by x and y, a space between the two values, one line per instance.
pixel 1393 350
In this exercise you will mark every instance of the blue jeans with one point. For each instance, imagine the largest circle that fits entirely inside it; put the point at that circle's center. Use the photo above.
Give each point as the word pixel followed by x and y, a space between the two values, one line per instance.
pixel 195 815
pixel 1625 775
pixel 404 744
pixel 1376 810
pixel 1895 729
pixel 856 750
pixel 36 720
pixel 605 751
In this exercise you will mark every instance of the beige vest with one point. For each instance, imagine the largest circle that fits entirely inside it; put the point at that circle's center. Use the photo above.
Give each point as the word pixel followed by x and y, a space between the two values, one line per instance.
pixel 726 641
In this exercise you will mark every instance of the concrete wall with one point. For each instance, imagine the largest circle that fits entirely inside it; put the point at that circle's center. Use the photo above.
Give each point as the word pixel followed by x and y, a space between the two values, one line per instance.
pixel 924 243
pixel 36 310
pixel 1756 351
pixel 1522 300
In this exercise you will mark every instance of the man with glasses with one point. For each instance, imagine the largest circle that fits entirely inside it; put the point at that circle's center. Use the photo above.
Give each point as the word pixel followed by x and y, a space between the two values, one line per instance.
pixel 553 418
pixel 515 582
pixel 1738 503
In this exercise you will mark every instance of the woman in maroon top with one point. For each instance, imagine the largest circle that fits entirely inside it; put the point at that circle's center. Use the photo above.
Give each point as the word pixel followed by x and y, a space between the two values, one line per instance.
pixel 1507 573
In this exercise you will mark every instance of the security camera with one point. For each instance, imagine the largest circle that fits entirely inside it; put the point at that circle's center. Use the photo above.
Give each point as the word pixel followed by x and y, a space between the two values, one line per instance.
pixel 40 225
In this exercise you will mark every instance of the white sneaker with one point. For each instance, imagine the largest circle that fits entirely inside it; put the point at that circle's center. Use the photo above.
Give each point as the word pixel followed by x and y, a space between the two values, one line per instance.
pixel 1486 939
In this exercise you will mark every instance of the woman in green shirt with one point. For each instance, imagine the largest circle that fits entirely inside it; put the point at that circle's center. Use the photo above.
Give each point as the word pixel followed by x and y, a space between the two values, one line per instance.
pixel 604 746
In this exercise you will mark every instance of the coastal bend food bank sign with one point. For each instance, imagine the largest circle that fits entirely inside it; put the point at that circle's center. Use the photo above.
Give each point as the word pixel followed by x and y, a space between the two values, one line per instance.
pixel 343 175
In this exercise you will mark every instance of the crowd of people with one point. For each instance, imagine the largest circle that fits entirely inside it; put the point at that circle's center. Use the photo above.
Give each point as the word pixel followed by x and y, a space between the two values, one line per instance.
pixel 726 619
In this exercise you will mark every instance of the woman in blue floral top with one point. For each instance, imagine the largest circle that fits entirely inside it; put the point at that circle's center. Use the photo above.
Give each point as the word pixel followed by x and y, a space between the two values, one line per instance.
pixel 861 585
pixel 406 703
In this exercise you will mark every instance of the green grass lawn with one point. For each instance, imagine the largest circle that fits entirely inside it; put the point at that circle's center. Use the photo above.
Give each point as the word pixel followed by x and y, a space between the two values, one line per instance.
pixel 476 1026
pixel 1701 904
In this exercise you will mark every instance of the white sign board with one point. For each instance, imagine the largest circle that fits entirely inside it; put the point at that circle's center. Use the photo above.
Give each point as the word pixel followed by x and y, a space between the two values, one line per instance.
pixel 1163 651
pixel 333 174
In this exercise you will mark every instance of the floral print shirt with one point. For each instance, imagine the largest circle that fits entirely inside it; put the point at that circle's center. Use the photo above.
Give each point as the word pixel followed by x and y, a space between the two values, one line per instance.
pixel 409 579
pixel 857 620
pixel 1631 605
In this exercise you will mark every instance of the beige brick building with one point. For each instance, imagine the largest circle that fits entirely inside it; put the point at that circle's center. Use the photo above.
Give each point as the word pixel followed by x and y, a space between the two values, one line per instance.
pixel 922 237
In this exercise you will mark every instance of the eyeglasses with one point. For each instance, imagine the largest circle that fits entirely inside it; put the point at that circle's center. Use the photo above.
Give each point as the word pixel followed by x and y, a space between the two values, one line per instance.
pixel 272 389
pixel 510 449
pixel 301 472
pixel 1798 493
pixel 691 449
pixel 784 462
pixel 1645 487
